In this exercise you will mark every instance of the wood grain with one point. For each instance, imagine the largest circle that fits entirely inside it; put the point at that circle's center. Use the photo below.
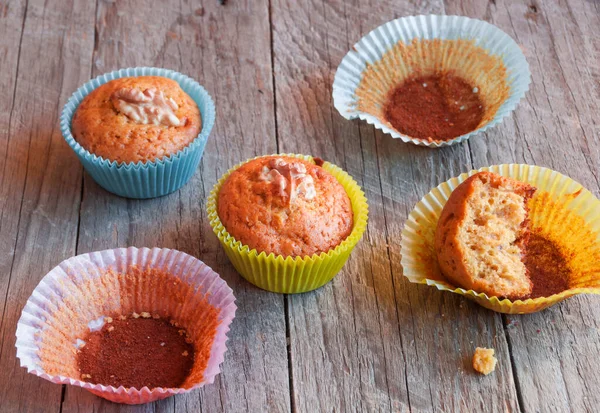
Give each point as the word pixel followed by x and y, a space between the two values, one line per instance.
pixel 228 51
pixel 42 178
pixel 369 341
pixel 553 127
pixel 376 340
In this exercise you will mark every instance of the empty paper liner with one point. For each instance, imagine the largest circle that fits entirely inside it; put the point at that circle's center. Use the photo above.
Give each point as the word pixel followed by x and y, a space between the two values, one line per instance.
pixel 561 211
pixel 165 283
pixel 471 49
pixel 292 274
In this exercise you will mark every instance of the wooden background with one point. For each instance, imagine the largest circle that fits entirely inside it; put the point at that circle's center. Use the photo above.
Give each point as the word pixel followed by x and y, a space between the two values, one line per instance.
pixel 369 341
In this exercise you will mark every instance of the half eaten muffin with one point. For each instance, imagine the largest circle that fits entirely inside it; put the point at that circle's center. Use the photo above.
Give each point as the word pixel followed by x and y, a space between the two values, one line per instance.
pixel 481 236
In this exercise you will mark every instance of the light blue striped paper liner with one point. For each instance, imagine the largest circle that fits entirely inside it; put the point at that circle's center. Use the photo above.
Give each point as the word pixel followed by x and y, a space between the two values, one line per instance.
pixel 375 44
pixel 143 179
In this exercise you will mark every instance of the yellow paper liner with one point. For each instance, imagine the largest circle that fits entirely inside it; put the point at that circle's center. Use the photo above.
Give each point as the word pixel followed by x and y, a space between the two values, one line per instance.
pixel 561 210
pixel 291 275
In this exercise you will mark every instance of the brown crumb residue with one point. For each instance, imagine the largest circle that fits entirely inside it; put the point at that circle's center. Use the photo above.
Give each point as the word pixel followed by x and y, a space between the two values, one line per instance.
pixel 547 266
pixel 136 352
pixel 569 245
pixel 178 301
pixel 437 107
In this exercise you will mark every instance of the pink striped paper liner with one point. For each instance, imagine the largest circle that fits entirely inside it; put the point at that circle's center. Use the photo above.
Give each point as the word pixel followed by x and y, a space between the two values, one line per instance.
pixel 77 280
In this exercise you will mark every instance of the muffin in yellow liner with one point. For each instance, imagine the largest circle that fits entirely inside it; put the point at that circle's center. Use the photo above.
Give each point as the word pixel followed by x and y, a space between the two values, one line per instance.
pixel 292 274
pixel 561 211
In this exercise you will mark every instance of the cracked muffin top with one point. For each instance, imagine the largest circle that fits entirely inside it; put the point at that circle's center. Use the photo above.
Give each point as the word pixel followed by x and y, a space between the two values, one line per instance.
pixel 285 206
pixel 136 119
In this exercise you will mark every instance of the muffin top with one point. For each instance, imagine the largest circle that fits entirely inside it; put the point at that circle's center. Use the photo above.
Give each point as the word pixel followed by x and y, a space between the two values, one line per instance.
pixel 286 206
pixel 136 119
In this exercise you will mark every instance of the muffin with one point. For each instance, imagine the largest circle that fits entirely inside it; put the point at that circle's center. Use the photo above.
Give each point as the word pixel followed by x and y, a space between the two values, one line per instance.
pixel 285 206
pixel 136 119
pixel 481 236
pixel 288 223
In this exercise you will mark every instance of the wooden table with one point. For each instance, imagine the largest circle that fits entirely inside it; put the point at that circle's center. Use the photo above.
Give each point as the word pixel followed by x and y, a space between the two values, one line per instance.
pixel 369 340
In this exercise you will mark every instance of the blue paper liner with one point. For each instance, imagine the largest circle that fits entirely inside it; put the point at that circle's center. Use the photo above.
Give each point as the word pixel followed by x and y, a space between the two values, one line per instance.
pixel 143 179
pixel 372 48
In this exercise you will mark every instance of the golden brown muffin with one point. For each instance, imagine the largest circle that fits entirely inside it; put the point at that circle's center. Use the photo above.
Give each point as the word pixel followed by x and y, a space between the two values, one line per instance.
pixel 482 234
pixel 136 119
pixel 286 206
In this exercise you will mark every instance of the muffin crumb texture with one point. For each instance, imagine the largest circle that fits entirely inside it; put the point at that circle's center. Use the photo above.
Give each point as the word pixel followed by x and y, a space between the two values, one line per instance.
pixel 484 361
pixel 136 119
pixel 285 206
pixel 482 234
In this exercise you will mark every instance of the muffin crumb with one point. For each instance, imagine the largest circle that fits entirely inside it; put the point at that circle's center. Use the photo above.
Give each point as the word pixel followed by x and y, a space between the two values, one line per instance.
pixel 484 361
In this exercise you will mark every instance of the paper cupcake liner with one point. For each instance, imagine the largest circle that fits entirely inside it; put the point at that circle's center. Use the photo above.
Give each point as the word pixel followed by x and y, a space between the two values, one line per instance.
pixel 379 62
pixel 292 274
pixel 561 209
pixel 91 286
pixel 143 179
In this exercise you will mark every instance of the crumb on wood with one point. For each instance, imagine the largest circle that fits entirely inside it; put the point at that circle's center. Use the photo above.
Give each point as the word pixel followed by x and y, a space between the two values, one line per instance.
pixel 484 361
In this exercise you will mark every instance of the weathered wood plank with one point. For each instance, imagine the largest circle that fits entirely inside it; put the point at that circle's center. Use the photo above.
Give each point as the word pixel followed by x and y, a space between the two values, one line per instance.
pixel 553 127
pixel 370 341
pixel 41 181
pixel 11 18
pixel 227 49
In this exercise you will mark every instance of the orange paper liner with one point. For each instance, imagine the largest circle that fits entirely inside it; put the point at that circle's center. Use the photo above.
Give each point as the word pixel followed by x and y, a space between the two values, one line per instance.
pixel 89 287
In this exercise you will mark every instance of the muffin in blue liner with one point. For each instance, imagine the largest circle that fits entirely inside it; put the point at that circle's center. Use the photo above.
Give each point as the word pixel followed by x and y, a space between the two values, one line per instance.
pixel 143 179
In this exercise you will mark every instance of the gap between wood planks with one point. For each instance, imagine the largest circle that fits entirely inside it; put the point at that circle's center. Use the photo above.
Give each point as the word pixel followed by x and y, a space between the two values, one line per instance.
pixel 285 297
